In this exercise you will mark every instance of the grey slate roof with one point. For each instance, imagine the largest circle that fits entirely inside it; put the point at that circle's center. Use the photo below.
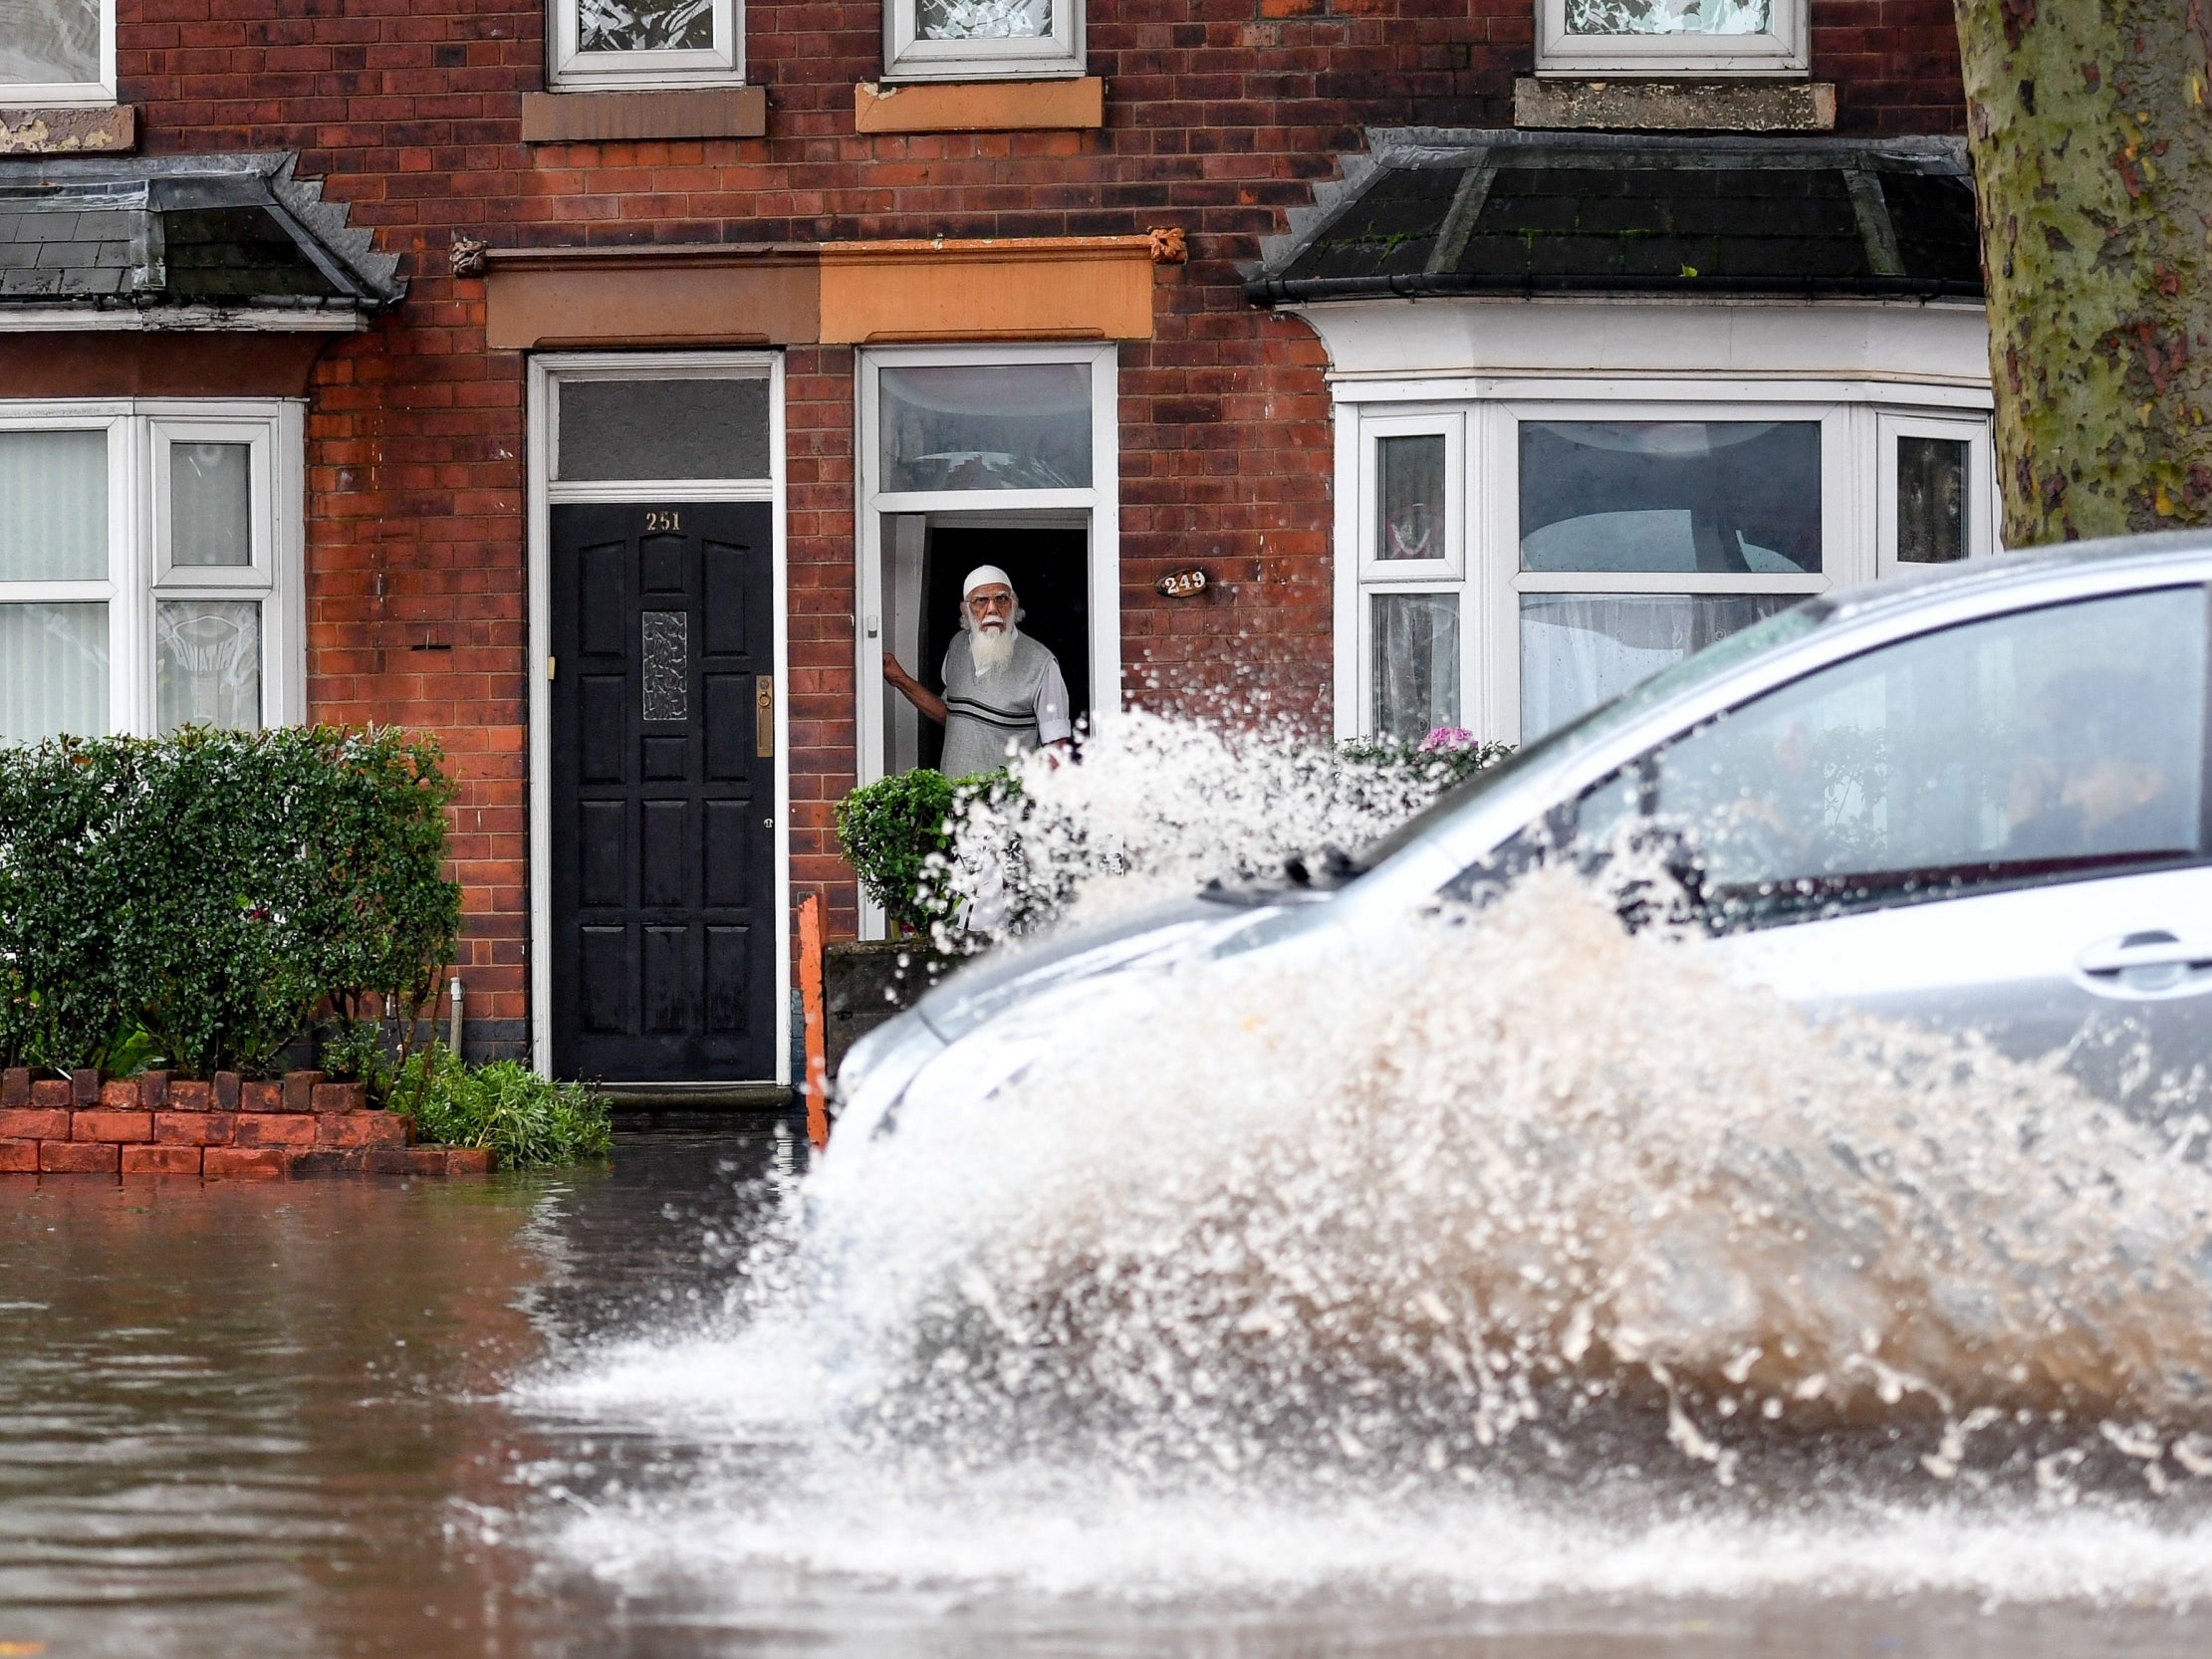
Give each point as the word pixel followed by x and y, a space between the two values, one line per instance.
pixel 1432 211
pixel 220 232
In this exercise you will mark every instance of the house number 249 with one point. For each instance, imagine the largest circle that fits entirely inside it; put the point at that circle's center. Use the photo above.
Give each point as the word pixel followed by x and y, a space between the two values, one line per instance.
pixel 663 521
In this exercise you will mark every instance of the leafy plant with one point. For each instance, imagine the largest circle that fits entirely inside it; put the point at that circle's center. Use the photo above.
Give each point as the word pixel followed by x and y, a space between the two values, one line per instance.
pixel 890 829
pixel 198 895
pixel 526 1122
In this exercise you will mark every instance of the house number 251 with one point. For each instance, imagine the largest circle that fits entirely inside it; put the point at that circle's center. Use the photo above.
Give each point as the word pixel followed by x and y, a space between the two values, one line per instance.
pixel 663 521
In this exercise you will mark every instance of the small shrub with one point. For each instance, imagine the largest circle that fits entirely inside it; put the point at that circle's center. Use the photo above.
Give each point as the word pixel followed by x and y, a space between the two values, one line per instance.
pixel 890 829
pixel 528 1123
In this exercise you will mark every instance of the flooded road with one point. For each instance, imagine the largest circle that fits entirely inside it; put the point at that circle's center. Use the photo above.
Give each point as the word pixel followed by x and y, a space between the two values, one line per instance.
pixel 341 1418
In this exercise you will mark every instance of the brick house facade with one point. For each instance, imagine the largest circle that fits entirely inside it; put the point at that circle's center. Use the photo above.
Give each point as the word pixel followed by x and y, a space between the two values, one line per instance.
pixel 431 123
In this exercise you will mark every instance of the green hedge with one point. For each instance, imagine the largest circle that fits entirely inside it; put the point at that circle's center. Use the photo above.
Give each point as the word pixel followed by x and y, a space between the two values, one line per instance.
pixel 890 829
pixel 196 898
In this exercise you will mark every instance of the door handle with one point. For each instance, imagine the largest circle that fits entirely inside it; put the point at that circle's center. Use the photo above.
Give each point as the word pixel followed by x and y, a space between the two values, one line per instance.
pixel 764 715
pixel 2153 960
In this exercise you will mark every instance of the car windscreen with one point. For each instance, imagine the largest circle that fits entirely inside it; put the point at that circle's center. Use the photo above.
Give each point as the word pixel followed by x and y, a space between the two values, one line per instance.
pixel 1717 658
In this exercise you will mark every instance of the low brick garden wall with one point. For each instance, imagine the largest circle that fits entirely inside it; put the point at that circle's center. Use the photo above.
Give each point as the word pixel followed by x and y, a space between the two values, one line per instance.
pixel 224 1128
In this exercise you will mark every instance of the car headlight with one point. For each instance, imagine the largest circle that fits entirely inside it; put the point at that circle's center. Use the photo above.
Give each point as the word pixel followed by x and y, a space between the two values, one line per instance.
pixel 876 1074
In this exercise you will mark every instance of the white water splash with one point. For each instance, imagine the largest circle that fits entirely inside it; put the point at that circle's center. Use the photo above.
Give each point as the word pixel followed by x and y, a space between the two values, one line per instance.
pixel 1509 1254
pixel 1157 808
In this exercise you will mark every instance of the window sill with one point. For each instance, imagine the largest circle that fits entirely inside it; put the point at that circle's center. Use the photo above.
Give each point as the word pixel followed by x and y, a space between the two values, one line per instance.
pixel 1680 106
pixel 69 129
pixel 601 117
pixel 980 105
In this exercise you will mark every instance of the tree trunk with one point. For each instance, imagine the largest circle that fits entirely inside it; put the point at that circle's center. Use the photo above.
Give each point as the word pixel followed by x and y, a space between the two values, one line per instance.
pixel 2093 161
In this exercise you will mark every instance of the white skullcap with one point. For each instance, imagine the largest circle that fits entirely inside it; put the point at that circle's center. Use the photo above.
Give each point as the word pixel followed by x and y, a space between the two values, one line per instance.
pixel 985 575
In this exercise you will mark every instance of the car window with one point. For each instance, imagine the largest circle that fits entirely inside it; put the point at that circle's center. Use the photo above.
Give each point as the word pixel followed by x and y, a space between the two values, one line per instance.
pixel 2062 740
pixel 1717 658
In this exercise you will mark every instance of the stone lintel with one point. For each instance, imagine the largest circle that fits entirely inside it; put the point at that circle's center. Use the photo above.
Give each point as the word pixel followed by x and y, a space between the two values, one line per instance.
pixel 613 117
pixel 69 129
pixel 1675 105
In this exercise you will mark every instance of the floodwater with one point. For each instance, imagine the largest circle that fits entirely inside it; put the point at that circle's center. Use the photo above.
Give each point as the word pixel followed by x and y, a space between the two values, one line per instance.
pixel 504 1419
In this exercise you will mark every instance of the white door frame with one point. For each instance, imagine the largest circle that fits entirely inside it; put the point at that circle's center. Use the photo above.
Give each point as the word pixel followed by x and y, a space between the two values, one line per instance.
pixel 547 371
pixel 1102 502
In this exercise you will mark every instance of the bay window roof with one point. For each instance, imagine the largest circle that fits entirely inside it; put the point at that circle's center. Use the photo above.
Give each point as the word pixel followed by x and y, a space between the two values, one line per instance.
pixel 1437 212
pixel 206 235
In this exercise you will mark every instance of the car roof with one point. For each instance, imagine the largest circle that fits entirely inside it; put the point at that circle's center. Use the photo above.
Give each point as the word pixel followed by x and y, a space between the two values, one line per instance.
pixel 1940 584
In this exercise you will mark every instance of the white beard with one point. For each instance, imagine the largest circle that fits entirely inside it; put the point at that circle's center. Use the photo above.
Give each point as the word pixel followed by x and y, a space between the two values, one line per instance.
pixel 990 649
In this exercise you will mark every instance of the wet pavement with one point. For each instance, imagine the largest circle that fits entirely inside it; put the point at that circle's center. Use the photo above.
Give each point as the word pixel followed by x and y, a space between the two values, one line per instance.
pixel 281 1420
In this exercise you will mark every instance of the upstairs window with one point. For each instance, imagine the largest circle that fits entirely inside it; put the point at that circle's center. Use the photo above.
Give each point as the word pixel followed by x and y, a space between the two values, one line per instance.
pixel 57 52
pixel 1670 37
pixel 607 44
pixel 978 40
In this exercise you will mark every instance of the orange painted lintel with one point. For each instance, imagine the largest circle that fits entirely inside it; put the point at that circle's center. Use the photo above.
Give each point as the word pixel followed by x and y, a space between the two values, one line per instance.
pixel 834 292
pixel 1060 105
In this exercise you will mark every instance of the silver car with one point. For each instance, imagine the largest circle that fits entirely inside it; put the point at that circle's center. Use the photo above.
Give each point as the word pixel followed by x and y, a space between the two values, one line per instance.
pixel 1974 799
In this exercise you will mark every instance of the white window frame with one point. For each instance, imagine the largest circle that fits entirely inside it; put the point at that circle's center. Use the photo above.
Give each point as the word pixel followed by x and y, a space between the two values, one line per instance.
pixel 1981 505
pixel 547 374
pixel 907 56
pixel 29 93
pixel 568 67
pixel 1859 424
pixel 139 433
pixel 1782 52
pixel 1100 505
pixel 1451 426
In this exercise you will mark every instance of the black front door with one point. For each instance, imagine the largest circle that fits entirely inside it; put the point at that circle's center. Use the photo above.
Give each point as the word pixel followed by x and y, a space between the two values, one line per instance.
pixel 664 794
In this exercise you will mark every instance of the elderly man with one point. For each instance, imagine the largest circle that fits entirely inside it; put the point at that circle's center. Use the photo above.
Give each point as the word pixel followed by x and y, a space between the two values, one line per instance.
pixel 1003 691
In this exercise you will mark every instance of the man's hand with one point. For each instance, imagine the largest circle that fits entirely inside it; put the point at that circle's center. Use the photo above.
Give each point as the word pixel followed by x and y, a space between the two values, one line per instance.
pixel 913 689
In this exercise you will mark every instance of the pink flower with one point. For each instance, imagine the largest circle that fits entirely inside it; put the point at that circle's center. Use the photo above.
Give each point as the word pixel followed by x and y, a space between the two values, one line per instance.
pixel 1445 739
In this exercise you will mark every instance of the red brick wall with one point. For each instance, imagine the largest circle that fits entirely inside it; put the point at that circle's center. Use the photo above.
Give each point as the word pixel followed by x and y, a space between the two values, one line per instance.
pixel 1221 114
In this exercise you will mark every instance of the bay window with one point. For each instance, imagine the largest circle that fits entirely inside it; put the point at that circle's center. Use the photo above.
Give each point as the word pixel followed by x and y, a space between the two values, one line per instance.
pixel 148 568
pixel 1522 557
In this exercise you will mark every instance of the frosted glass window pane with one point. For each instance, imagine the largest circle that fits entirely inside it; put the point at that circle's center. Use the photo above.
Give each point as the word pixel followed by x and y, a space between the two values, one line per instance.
pixel 53 506
pixel 1416 664
pixel 48 41
pixel 53 672
pixel 653 429
pixel 998 426
pixel 1931 500
pixel 1741 495
pixel 207 663
pixel 1411 475
pixel 646 25
pixel 1579 649
pixel 984 18
pixel 211 504
pixel 1669 17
